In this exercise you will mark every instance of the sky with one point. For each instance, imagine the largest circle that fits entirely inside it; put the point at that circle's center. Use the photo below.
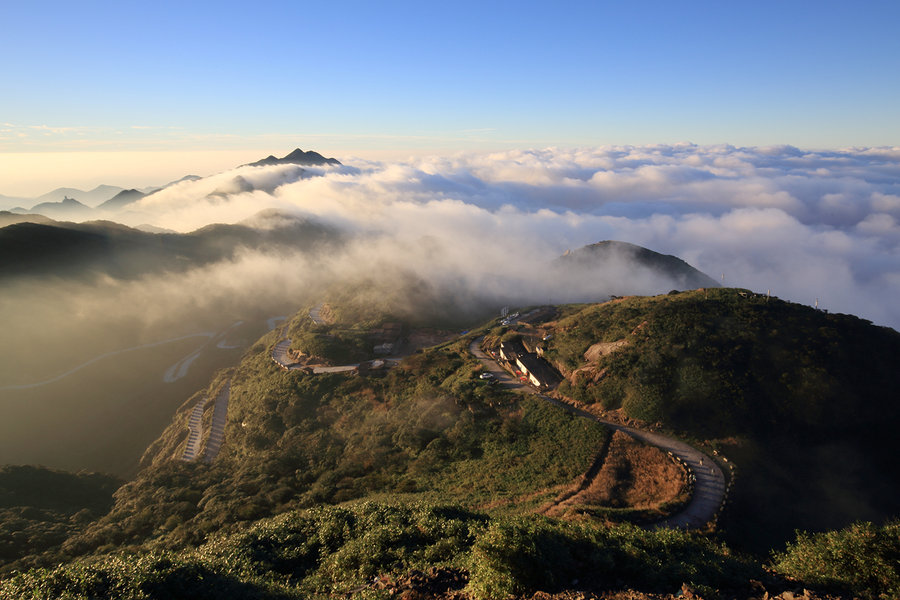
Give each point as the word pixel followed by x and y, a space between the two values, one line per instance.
pixel 153 91
pixel 756 140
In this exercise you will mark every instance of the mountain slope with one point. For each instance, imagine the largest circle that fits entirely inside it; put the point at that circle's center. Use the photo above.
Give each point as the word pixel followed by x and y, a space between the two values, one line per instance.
pixel 40 508
pixel 67 208
pixel 427 429
pixel 99 194
pixel 122 199
pixel 799 399
pixel 11 218
pixel 597 258
pixel 75 249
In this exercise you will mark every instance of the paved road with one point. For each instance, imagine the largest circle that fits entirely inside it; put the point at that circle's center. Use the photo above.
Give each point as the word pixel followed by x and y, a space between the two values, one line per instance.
pixel 709 487
pixel 337 369
pixel 180 369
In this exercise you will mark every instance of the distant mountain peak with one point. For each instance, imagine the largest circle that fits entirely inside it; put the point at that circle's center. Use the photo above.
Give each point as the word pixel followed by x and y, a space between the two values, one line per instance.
pixel 122 199
pixel 66 202
pixel 297 157
pixel 680 273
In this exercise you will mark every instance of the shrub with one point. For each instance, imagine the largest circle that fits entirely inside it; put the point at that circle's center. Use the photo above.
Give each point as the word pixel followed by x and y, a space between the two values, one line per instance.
pixel 862 559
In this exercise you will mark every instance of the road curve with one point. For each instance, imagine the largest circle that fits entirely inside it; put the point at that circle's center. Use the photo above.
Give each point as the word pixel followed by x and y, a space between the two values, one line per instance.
pixel 709 485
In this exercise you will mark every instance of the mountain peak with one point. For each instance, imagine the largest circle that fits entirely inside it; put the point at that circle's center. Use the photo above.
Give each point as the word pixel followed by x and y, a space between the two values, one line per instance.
pixel 680 273
pixel 297 157
pixel 123 198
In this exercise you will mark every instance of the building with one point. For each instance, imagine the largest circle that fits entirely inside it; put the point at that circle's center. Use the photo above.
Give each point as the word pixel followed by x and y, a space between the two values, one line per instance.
pixel 536 369
pixel 509 351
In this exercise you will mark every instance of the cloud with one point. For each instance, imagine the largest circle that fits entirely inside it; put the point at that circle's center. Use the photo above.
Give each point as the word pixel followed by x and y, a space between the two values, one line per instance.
pixel 805 224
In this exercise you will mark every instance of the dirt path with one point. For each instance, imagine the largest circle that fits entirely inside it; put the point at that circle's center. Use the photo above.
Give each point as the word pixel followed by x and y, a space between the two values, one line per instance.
pixel 709 485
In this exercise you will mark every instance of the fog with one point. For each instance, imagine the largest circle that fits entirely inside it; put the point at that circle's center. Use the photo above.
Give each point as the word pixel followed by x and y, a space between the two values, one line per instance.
pixel 806 225
pixel 88 360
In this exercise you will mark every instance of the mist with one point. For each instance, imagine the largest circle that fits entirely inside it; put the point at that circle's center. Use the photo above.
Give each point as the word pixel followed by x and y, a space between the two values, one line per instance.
pixel 806 225
pixel 97 361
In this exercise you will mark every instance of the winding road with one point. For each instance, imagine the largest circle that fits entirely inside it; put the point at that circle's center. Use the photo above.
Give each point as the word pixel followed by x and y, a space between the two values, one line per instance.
pixel 207 334
pixel 709 485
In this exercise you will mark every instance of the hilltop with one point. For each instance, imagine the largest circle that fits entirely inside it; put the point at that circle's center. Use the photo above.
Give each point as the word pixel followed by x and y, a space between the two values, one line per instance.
pixel 798 398
pixel 595 258
pixel 296 157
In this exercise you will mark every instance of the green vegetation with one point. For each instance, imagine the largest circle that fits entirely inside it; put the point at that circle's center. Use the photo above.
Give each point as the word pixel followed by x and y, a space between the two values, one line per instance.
pixel 40 508
pixel 429 428
pixel 723 362
pixel 863 560
pixel 328 483
pixel 331 551
pixel 802 401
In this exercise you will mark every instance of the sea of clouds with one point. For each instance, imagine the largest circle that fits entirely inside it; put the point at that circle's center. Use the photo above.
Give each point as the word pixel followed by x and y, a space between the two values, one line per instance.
pixel 807 225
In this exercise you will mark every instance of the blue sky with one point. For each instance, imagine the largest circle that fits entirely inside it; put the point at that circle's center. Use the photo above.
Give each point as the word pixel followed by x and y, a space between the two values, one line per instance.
pixel 364 77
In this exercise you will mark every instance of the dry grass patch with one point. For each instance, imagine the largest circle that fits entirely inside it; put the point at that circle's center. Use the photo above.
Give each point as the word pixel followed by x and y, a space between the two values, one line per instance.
pixel 634 476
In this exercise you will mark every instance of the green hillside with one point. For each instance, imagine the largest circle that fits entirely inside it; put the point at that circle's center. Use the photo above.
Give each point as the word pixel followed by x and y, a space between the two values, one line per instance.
pixel 429 429
pixel 423 480
pixel 801 400
pixel 723 362
pixel 40 508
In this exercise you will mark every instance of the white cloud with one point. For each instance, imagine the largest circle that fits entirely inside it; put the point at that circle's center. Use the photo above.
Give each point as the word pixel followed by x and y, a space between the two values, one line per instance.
pixel 805 224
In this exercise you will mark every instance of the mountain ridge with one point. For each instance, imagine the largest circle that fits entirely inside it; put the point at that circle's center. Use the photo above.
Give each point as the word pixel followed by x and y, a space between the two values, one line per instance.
pixel 295 157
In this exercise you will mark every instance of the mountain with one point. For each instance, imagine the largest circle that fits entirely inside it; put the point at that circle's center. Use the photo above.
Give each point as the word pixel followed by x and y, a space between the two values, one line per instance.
pixel 67 208
pixel 99 194
pixel 11 218
pixel 171 183
pixel 9 202
pixel 297 157
pixel 122 199
pixel 71 250
pixel 594 259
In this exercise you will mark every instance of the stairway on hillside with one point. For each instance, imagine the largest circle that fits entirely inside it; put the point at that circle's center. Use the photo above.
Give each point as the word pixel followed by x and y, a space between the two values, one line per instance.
pixel 195 424
pixel 217 431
